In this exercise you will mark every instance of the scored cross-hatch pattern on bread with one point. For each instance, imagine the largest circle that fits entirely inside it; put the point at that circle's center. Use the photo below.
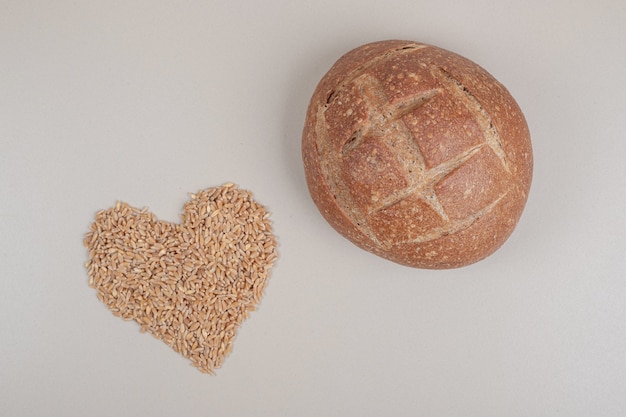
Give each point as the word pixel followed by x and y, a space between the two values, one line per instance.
pixel 385 122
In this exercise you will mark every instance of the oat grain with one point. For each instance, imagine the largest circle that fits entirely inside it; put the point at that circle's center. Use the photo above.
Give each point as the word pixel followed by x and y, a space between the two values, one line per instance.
pixel 192 284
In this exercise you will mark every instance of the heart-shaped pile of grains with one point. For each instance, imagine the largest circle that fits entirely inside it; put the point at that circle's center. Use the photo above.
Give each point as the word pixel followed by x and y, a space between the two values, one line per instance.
pixel 190 284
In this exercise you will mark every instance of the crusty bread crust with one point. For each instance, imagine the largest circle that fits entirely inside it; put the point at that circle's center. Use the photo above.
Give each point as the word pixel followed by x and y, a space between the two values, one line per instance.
pixel 417 154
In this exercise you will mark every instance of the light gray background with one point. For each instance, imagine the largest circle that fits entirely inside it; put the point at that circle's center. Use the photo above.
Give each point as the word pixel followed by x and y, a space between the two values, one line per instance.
pixel 145 101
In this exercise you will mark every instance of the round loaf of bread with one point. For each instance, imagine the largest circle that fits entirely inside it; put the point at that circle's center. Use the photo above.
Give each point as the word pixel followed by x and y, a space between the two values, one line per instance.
pixel 417 154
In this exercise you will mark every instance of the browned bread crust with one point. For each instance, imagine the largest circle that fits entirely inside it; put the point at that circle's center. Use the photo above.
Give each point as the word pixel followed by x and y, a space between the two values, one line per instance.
pixel 417 154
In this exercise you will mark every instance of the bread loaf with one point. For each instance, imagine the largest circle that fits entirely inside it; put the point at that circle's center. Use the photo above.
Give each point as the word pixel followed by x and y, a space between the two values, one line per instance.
pixel 417 154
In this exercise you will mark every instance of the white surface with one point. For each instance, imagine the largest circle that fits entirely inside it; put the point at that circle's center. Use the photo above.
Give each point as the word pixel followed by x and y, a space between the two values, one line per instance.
pixel 145 101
